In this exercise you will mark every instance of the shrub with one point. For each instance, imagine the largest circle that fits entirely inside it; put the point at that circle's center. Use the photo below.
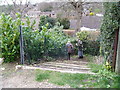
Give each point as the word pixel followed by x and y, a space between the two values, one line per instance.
pixel 10 37
pixel 65 22
pixel 47 42
pixel 46 19
pixel 108 29
pixel 83 35
pixel 90 45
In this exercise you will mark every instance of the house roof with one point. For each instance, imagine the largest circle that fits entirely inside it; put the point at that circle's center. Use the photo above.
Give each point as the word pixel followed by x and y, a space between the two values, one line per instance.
pixel 39 12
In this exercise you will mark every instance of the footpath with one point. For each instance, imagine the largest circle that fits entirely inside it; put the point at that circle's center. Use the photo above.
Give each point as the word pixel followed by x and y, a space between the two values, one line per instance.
pixel 23 76
pixel 66 66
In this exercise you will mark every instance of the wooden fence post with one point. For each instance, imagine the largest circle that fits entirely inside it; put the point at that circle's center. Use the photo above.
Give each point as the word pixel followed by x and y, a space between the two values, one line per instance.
pixel 115 49
pixel 117 68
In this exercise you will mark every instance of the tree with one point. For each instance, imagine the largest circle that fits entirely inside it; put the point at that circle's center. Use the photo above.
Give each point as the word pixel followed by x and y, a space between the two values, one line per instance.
pixel 18 7
pixel 78 8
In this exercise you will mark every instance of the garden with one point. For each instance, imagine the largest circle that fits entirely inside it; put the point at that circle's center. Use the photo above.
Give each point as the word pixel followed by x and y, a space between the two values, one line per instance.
pixel 47 45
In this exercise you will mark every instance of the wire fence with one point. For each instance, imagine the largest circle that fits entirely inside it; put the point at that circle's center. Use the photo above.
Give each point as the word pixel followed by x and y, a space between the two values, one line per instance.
pixel 39 48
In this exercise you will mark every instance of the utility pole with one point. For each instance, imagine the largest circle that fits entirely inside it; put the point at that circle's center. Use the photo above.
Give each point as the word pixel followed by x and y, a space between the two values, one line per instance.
pixel 21 46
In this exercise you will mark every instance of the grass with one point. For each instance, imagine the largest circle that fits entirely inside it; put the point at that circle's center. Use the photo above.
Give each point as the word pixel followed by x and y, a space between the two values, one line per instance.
pixel 95 67
pixel 105 78
pixel 73 80
pixel 42 76
pixel 89 58
pixel 102 79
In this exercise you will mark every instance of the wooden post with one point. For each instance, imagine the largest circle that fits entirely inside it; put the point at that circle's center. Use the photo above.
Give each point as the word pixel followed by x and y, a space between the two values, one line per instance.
pixel 115 49
pixel 117 67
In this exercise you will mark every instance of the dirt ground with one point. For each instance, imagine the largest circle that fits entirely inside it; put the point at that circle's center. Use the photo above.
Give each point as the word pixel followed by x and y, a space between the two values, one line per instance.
pixel 21 78
pixel 12 78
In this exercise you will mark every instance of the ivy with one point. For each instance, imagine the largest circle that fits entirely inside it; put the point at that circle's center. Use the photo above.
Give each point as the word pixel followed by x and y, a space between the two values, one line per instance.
pixel 108 27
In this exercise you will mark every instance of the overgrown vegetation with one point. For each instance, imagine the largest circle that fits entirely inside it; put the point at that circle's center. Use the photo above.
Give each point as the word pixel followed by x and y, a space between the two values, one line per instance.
pixel 102 79
pixel 64 22
pixel 109 26
pixel 10 37
pixel 105 78
pixel 47 42
pixel 91 43
pixel 46 19
pixel 52 21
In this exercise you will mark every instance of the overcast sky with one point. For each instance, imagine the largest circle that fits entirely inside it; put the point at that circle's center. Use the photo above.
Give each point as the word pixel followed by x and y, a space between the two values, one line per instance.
pixel 32 1
pixel 38 1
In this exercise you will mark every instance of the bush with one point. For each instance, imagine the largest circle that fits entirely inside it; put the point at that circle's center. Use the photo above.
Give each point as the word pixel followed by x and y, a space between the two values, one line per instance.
pixel 52 21
pixel 65 22
pixel 90 45
pixel 83 35
pixel 47 42
pixel 104 78
pixel 10 37
pixel 46 19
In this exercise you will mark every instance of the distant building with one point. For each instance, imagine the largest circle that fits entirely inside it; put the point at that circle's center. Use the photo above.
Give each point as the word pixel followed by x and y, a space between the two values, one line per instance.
pixel 39 13
pixel 35 15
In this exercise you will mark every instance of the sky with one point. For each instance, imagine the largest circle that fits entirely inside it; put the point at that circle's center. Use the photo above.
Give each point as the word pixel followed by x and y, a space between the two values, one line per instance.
pixel 2 2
